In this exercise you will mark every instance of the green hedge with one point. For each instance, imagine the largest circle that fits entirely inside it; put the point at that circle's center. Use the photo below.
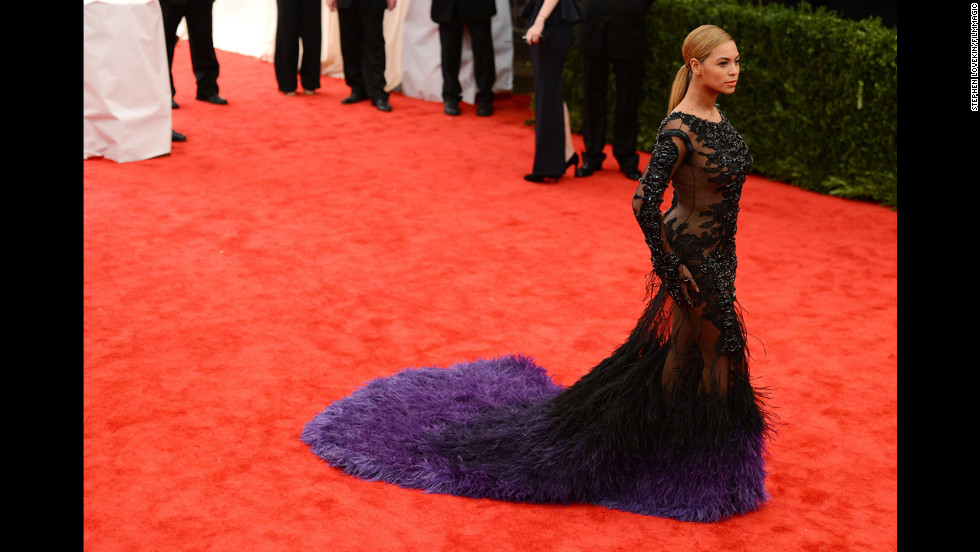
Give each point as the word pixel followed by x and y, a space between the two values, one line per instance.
pixel 816 101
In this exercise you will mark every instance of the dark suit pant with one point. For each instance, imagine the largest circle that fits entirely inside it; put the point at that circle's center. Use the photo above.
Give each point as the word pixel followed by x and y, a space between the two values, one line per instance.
pixel 199 34
pixel 626 124
pixel 298 20
pixel 484 68
pixel 362 45
pixel 548 61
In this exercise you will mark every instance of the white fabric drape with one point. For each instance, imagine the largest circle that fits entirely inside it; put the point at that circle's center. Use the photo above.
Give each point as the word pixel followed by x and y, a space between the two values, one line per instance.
pixel 126 82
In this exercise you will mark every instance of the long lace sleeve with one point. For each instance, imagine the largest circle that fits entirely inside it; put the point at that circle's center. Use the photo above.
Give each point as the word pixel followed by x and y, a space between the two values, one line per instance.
pixel 671 150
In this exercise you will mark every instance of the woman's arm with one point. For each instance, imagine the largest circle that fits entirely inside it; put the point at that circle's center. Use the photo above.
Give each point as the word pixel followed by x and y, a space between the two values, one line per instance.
pixel 668 156
pixel 533 34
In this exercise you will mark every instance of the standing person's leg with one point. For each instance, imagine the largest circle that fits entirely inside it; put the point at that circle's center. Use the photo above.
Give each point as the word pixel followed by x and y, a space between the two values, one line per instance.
pixel 626 126
pixel 595 82
pixel 311 31
pixel 171 20
pixel 484 65
pixel 203 58
pixel 372 14
pixel 286 56
pixel 451 42
pixel 569 148
pixel 350 49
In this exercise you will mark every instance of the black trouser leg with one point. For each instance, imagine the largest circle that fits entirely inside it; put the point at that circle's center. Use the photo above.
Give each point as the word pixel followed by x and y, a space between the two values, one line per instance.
pixel 286 56
pixel 595 83
pixel 626 127
pixel 451 42
pixel 171 20
pixel 484 65
pixel 200 35
pixel 371 15
pixel 350 48
pixel 311 31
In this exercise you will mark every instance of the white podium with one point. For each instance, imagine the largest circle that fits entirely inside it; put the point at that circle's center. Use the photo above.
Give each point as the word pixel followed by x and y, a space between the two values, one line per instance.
pixel 126 81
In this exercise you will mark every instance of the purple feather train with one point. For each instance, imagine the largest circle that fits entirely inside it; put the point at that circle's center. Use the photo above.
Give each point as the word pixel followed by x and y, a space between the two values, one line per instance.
pixel 496 429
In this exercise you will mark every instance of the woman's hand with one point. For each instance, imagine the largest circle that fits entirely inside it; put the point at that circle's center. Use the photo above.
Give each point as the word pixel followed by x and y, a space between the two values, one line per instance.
pixel 687 284
pixel 533 34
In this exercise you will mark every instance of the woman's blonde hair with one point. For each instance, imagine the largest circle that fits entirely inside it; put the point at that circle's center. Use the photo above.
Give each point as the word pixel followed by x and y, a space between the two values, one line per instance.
pixel 698 45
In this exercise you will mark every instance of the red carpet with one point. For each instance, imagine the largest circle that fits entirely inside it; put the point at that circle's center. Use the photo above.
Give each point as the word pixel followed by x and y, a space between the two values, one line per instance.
pixel 294 248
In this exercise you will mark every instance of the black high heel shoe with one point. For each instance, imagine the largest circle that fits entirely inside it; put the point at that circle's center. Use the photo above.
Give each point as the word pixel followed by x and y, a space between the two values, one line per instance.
pixel 572 161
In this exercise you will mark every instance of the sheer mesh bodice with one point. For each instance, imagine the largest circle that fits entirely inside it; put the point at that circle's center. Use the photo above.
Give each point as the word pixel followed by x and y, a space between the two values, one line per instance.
pixel 707 163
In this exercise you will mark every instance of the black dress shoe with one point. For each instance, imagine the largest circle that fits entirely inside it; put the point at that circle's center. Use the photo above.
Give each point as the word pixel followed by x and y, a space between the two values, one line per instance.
pixel 382 104
pixel 485 109
pixel 632 173
pixel 176 136
pixel 353 98
pixel 587 168
pixel 215 99
pixel 450 107
pixel 173 104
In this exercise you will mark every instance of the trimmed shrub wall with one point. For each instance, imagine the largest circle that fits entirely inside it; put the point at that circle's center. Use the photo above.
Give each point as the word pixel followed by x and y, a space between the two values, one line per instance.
pixel 817 96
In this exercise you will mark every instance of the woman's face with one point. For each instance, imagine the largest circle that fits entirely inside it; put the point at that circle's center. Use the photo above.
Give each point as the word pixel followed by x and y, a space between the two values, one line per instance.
pixel 719 71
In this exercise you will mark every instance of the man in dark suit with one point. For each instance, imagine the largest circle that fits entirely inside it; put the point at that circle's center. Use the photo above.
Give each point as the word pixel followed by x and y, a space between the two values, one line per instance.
pixel 613 33
pixel 199 34
pixel 452 15
pixel 362 45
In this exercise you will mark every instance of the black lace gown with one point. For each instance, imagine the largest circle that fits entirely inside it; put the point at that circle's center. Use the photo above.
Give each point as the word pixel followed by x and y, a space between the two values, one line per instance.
pixel 668 425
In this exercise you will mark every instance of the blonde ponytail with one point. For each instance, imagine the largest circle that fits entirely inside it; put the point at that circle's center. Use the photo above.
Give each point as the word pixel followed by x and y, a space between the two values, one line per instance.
pixel 681 82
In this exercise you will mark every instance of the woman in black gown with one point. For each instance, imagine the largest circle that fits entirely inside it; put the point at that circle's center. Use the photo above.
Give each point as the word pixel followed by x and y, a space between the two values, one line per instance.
pixel 668 425
pixel 549 38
